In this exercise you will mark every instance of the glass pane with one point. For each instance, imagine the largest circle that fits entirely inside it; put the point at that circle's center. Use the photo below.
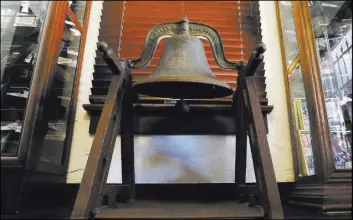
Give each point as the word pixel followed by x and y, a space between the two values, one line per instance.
pixel 288 30
pixel 332 26
pixel 21 26
pixel 301 122
pixel 61 95
pixel 79 8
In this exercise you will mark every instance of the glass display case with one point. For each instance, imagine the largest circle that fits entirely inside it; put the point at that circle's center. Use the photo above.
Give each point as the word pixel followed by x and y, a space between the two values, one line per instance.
pixel 301 122
pixel 296 91
pixel 319 96
pixel 332 27
pixel 61 94
pixel 41 54
pixel 291 49
pixel 317 63
pixel 21 28
pixel 42 45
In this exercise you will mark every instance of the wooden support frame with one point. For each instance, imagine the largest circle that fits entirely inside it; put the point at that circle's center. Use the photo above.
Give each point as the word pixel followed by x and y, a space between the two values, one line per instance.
pixel 94 179
pixel 249 118
pixel 264 172
pixel 127 146
pixel 119 103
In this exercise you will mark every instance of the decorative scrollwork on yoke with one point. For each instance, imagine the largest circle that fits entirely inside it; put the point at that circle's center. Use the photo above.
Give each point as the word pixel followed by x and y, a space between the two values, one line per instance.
pixel 183 28
pixel 213 37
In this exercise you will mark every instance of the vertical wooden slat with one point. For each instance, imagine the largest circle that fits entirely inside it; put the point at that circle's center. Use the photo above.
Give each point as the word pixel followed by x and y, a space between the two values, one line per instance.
pixel 127 146
pixel 242 122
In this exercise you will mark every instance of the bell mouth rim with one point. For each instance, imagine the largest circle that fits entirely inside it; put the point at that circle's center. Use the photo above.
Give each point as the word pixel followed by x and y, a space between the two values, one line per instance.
pixel 223 89
pixel 182 79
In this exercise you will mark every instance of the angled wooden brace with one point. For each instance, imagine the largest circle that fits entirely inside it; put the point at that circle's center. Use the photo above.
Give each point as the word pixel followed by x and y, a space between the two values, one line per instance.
pixel 250 121
pixel 94 179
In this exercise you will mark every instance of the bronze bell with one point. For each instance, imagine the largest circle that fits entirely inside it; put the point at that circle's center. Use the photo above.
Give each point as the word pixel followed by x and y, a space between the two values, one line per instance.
pixel 183 72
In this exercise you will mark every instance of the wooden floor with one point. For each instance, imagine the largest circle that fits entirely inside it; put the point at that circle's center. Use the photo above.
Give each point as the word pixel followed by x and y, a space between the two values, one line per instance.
pixel 149 209
pixel 61 212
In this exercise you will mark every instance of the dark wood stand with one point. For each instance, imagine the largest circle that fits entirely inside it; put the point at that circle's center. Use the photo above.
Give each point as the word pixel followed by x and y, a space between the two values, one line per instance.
pixel 333 197
pixel 117 113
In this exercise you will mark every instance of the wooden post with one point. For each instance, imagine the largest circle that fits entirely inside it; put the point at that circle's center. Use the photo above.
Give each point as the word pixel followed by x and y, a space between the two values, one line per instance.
pixel 94 178
pixel 242 121
pixel 127 145
pixel 264 171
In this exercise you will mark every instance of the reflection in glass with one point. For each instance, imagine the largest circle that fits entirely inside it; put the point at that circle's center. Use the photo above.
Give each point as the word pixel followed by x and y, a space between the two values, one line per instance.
pixel 332 26
pixel 301 123
pixel 288 30
pixel 79 9
pixel 61 95
pixel 21 26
